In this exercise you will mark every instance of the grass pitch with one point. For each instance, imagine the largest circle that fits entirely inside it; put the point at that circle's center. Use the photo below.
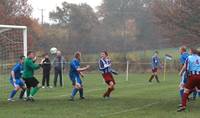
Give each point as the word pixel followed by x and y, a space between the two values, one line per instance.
pixel 133 99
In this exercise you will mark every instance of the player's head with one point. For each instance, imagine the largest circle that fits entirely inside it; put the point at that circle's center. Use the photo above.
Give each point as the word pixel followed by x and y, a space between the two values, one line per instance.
pixel 156 53
pixel 77 55
pixel 182 49
pixel 21 59
pixel 58 53
pixel 104 54
pixel 31 54
pixel 46 55
pixel 194 51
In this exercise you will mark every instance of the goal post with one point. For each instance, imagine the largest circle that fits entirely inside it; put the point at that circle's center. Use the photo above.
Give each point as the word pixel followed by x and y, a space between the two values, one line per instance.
pixel 24 28
pixel 13 44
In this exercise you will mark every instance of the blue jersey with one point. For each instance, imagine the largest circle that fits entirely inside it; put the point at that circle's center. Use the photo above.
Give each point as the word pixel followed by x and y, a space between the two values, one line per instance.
pixel 74 65
pixel 105 65
pixel 18 70
pixel 183 57
pixel 155 62
pixel 193 63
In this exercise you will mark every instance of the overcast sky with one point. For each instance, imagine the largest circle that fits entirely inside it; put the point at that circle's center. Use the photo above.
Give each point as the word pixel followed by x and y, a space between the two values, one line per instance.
pixel 49 5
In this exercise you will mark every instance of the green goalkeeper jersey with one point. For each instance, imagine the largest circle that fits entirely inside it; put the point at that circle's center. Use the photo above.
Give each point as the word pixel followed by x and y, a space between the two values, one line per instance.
pixel 29 67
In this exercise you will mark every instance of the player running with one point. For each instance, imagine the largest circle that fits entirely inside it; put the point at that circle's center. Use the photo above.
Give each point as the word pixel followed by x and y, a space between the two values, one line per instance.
pixel 155 65
pixel 74 74
pixel 105 68
pixel 192 67
pixel 28 75
pixel 16 79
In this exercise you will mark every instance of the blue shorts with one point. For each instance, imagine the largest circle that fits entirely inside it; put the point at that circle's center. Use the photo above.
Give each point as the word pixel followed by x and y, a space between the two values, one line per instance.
pixel 18 83
pixel 72 78
pixel 78 80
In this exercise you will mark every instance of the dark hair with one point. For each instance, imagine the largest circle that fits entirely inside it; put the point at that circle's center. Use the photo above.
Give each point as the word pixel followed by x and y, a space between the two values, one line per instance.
pixel 21 57
pixel 45 54
pixel 156 52
pixel 194 51
pixel 198 52
pixel 105 52
pixel 29 52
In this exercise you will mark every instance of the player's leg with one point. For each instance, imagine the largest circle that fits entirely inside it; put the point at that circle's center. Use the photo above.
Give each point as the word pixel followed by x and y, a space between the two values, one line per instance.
pixel 110 89
pixel 156 77
pixel 60 75
pixel 81 91
pixel 190 85
pixel 47 78
pixel 76 88
pixel 23 87
pixel 151 77
pixel 13 93
pixel 35 88
pixel 55 77
pixel 43 79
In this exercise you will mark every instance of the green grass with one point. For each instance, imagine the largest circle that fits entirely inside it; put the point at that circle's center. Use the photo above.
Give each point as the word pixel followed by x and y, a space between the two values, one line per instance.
pixel 133 99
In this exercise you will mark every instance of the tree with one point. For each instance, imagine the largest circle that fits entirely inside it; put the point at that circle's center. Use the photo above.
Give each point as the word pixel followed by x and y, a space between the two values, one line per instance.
pixel 118 14
pixel 18 12
pixel 79 20
pixel 179 20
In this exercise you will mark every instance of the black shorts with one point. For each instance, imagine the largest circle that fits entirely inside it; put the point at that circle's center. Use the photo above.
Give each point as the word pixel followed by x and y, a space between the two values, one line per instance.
pixel 31 82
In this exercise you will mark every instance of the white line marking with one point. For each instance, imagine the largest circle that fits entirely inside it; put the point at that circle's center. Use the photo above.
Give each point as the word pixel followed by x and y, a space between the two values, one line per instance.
pixel 128 110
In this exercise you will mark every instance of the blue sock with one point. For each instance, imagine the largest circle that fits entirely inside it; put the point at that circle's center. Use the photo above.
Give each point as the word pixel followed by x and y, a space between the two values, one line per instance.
pixel 181 93
pixel 12 94
pixel 74 91
pixel 81 92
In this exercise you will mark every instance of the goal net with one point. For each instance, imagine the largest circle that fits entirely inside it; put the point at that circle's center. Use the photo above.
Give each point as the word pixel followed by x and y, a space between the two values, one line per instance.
pixel 13 44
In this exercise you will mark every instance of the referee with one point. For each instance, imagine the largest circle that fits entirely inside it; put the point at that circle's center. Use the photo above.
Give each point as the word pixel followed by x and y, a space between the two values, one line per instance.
pixel 28 75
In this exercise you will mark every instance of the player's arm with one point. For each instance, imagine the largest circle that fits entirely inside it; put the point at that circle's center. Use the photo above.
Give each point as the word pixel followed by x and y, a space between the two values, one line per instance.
pixel 182 69
pixel 15 69
pixel 83 68
pixel 13 75
pixel 103 66
pixel 33 65
pixel 81 74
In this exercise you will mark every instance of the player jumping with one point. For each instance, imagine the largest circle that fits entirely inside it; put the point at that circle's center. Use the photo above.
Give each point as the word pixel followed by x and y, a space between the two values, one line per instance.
pixel 155 65
pixel 16 79
pixel 74 74
pixel 105 68
pixel 192 66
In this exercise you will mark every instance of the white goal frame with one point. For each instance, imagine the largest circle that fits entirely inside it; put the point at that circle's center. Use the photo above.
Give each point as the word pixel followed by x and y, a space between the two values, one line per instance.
pixel 24 28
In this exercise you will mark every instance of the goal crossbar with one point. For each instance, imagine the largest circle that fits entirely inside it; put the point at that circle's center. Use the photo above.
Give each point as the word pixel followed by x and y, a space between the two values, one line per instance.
pixel 24 28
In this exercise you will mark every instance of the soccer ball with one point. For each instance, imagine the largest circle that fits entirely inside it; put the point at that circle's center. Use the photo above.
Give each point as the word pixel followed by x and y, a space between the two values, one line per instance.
pixel 53 50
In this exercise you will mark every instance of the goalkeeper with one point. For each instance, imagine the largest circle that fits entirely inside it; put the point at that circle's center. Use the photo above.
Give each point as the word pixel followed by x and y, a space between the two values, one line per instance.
pixel 28 75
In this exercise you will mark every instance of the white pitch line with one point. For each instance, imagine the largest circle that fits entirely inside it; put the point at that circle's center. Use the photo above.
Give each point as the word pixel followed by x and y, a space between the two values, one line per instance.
pixel 128 110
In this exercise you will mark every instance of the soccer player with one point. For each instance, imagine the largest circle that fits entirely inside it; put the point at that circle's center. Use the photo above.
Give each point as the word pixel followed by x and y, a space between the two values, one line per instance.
pixel 105 68
pixel 183 56
pixel 74 74
pixel 155 65
pixel 192 66
pixel 28 75
pixel 16 79
pixel 46 66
